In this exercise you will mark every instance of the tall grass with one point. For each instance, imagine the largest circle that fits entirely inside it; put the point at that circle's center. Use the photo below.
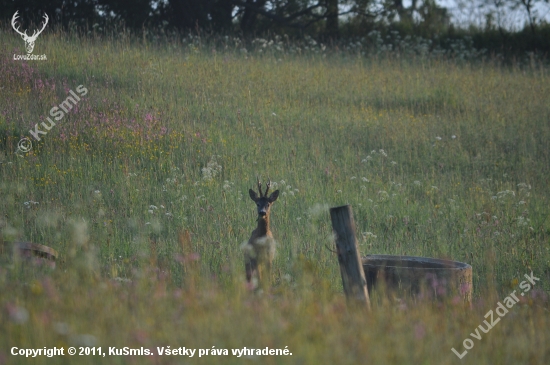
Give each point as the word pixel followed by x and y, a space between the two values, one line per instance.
pixel 142 189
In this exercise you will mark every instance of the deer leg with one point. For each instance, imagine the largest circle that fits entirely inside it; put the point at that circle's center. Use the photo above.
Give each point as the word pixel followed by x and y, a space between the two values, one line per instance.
pixel 268 267
pixel 251 266
pixel 248 268
pixel 259 270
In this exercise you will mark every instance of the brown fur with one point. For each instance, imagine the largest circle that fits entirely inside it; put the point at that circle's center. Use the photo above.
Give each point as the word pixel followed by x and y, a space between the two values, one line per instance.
pixel 260 249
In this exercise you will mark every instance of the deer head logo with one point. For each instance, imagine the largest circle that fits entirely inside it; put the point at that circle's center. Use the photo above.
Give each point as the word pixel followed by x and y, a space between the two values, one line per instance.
pixel 29 41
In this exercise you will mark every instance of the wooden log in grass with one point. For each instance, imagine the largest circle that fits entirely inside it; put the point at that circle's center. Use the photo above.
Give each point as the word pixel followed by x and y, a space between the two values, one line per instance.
pixel 29 250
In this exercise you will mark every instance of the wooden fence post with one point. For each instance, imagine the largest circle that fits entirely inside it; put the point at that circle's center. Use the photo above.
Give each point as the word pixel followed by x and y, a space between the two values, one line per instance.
pixel 351 268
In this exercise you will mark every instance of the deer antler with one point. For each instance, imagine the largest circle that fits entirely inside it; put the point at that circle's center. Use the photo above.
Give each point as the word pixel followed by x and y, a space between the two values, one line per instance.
pixel 35 34
pixel 259 186
pixel 268 185
pixel 13 21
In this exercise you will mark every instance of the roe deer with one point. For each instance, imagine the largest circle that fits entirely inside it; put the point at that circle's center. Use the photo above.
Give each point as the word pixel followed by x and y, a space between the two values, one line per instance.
pixel 260 248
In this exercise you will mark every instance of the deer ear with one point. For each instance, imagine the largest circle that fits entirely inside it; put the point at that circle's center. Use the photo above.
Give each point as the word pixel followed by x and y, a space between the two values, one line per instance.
pixel 274 195
pixel 253 194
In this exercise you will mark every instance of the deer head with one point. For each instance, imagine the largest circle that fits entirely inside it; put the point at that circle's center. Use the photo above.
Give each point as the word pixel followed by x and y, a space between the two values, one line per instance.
pixel 263 202
pixel 29 41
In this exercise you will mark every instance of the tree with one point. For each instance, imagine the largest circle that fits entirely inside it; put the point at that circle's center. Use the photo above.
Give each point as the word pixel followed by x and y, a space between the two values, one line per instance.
pixel 529 7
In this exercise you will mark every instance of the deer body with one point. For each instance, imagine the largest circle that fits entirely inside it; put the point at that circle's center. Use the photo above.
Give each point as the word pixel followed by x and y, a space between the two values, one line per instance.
pixel 260 249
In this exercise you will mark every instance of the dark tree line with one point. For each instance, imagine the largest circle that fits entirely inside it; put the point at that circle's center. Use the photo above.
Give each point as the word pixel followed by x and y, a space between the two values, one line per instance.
pixel 324 19
pixel 243 16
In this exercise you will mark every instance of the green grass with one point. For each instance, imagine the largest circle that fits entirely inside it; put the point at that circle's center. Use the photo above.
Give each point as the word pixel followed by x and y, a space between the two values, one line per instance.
pixel 330 128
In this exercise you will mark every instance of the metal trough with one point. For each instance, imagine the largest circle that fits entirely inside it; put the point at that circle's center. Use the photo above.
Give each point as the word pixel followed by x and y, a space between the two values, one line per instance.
pixel 418 277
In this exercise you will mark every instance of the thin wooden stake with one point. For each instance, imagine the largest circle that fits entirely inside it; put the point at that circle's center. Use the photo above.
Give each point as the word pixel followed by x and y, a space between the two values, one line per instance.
pixel 351 268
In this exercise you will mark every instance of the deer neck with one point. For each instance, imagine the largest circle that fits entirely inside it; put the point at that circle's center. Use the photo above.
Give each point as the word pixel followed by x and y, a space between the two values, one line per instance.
pixel 263 226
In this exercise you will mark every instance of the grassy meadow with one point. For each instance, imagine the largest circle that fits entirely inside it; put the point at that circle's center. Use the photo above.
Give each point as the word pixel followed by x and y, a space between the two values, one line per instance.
pixel 143 190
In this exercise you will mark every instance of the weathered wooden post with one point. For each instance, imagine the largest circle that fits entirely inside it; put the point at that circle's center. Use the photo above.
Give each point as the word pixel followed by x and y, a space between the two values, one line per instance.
pixel 351 268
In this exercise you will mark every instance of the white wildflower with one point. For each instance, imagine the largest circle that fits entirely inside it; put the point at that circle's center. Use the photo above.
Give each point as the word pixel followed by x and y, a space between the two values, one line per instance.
pixel 368 235
pixel 211 170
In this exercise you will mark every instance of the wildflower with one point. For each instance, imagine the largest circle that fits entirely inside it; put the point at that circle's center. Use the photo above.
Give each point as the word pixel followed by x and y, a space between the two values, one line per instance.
pixel 438 138
pixel 61 328
pixel 522 221
pixel 353 178
pixel 368 234
pixel 339 191
pixel 394 163
pixel 17 314
pixel 211 170
pixel 84 340
pixel 365 179
pixel 453 136
pixel 318 209
pixel 28 204
pixel 417 183
pixel 97 192
pixel 152 207
pixel 383 153
pixel 383 195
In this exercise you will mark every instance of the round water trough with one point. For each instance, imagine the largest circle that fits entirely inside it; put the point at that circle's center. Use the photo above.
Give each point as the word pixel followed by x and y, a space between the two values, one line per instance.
pixel 418 277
